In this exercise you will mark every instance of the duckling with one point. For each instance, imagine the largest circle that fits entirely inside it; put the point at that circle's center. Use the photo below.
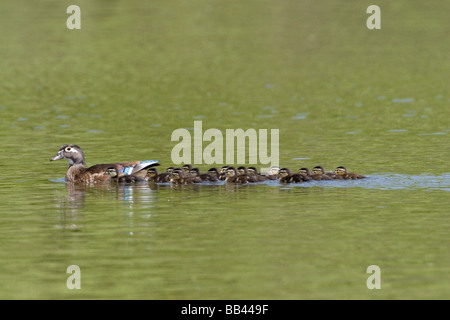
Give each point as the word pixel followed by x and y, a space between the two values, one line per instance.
pixel 234 177
pixel 252 171
pixel 241 171
pixel 197 176
pixel 273 173
pixel 153 175
pixel 318 173
pixel 187 169
pixel 166 175
pixel 304 174
pixel 285 175
pixel 213 174
pixel 223 173
pixel 342 172
pixel 80 174
pixel 113 173
pixel 178 176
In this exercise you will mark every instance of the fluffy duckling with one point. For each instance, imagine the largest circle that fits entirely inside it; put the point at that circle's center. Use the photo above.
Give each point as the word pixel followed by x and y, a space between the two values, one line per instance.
pixel 223 173
pixel 285 175
pixel 318 173
pixel 342 172
pixel 113 174
pixel 213 174
pixel 273 173
pixel 234 177
pixel 187 169
pixel 252 171
pixel 178 176
pixel 242 171
pixel 304 174
pixel 197 176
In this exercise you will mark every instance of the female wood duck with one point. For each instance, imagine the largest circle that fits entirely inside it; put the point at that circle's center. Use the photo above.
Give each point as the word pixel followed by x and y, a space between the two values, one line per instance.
pixel 342 172
pixel 79 173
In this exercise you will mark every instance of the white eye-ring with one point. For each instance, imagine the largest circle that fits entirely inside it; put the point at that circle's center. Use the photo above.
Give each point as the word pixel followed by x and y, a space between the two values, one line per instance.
pixel 70 149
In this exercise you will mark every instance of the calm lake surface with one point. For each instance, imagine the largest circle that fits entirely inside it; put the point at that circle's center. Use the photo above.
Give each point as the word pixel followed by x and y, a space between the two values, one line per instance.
pixel 375 101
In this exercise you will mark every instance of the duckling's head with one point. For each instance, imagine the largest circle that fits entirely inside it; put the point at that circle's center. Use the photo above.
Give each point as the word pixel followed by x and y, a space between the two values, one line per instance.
pixel 274 170
pixel 304 171
pixel 231 172
pixel 152 173
pixel 224 169
pixel 72 153
pixel 318 170
pixel 170 169
pixel 112 172
pixel 194 172
pixel 213 172
pixel 252 170
pixel 340 170
pixel 187 168
pixel 178 174
pixel 284 172
pixel 242 170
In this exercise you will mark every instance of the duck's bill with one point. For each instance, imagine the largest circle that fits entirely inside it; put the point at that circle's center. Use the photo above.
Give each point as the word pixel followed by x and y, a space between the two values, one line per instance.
pixel 57 157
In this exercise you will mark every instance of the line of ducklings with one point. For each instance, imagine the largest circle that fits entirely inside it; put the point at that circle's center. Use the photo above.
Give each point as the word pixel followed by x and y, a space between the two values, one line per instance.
pixel 241 175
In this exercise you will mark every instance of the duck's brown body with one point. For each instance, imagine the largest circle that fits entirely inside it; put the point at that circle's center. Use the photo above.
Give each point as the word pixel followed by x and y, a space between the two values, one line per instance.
pixel 80 174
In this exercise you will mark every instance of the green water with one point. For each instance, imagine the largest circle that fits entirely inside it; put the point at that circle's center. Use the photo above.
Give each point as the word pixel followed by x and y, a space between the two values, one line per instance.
pixel 376 101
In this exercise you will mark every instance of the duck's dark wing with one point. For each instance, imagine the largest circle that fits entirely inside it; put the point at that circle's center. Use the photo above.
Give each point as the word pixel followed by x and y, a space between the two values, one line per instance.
pixel 136 167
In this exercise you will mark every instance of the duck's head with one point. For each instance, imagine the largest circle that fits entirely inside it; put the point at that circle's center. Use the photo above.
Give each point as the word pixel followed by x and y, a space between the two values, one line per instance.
pixel 112 172
pixel 304 171
pixel 252 170
pixel 284 172
pixel 72 153
pixel 231 172
pixel 340 171
pixel 224 169
pixel 274 170
pixel 242 170
pixel 194 172
pixel 318 170
pixel 178 174
pixel 187 168
pixel 152 172
pixel 213 172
